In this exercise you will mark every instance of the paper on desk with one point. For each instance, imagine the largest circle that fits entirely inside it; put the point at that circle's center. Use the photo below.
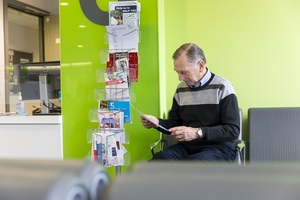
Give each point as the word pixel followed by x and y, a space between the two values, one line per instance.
pixel 144 116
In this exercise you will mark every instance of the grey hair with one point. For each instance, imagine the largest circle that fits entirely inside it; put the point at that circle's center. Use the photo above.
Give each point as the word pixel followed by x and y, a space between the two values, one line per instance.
pixel 192 52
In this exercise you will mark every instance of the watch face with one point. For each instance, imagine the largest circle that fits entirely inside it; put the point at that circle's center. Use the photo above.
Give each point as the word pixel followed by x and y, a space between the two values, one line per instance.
pixel 200 133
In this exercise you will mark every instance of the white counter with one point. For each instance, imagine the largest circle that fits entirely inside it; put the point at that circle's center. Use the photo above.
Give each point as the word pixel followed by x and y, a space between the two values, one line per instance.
pixel 31 137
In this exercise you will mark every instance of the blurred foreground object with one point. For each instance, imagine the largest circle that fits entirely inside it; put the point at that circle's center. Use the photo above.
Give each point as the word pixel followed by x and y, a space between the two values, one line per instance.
pixel 51 180
pixel 207 181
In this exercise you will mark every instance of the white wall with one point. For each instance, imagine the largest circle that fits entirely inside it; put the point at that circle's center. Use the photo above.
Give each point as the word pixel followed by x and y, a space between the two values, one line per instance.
pixel 24 39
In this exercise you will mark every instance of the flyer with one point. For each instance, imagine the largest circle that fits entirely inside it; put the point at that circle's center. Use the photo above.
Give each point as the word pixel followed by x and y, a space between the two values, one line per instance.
pixel 124 13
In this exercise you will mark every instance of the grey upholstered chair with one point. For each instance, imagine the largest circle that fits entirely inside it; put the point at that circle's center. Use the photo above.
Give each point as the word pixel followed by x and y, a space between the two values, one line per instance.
pixel 274 134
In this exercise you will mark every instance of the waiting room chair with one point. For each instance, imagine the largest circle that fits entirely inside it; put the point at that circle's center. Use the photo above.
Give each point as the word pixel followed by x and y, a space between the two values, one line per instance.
pixel 274 134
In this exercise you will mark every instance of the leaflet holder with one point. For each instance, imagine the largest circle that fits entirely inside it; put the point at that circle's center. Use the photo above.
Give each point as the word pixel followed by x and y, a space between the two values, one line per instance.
pixel 107 147
pixel 121 59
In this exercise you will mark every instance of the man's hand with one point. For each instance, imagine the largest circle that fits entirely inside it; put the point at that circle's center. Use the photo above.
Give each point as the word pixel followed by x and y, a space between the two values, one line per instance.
pixel 184 133
pixel 149 121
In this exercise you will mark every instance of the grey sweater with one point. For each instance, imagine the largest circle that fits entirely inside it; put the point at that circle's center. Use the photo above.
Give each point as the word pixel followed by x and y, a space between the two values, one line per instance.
pixel 212 107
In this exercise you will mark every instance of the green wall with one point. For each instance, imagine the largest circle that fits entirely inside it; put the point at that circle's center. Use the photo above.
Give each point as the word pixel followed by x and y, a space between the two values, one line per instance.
pixel 78 80
pixel 255 44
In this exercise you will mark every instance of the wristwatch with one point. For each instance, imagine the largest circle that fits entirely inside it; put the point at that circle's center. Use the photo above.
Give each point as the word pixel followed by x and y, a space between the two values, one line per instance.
pixel 200 134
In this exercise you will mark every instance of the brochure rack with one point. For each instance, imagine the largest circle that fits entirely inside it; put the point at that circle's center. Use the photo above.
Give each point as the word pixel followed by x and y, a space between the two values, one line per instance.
pixel 107 141
pixel 114 93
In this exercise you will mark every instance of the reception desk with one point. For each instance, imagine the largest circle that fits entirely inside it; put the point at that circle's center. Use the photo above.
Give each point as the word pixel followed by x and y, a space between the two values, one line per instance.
pixel 31 137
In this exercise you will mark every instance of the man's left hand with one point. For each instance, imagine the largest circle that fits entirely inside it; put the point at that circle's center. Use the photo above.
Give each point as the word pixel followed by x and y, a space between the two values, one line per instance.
pixel 184 133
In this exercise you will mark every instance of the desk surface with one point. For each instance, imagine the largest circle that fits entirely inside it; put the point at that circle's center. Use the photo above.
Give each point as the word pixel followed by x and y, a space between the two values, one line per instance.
pixel 40 119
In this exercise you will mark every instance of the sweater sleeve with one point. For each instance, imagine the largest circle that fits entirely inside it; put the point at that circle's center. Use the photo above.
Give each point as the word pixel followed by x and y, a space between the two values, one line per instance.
pixel 173 118
pixel 229 128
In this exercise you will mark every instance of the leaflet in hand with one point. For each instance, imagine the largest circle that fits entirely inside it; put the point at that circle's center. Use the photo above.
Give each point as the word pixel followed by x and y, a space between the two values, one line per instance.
pixel 145 117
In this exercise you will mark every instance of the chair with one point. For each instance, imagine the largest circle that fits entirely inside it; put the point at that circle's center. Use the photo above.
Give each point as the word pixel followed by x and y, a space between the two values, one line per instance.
pixel 168 140
pixel 240 144
pixel 274 134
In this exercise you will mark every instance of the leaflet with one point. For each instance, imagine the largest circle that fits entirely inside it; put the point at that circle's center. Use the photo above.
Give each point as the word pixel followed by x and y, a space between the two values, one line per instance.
pixel 126 12
pixel 145 117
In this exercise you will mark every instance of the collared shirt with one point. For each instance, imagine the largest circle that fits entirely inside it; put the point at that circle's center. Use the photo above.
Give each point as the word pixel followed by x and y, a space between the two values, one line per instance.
pixel 203 80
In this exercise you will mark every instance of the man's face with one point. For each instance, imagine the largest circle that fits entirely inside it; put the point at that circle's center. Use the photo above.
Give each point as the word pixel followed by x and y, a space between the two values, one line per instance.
pixel 187 72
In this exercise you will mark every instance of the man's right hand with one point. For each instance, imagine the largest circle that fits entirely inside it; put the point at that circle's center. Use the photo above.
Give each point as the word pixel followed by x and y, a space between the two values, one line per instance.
pixel 149 121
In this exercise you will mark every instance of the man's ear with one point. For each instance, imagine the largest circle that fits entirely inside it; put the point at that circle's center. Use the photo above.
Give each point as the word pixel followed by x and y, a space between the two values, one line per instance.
pixel 201 64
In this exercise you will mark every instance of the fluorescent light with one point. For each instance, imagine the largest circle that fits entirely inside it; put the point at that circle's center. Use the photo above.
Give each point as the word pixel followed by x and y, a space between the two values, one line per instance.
pixel 64 3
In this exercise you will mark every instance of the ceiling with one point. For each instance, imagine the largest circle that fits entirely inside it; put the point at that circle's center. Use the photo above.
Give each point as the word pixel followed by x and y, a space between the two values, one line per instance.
pixel 31 21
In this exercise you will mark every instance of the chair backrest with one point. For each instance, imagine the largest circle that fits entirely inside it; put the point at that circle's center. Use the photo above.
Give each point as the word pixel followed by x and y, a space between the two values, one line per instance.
pixel 240 158
pixel 274 134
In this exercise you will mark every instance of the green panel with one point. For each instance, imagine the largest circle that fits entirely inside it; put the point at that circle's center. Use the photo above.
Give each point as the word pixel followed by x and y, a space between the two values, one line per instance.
pixel 255 44
pixel 176 34
pixel 78 70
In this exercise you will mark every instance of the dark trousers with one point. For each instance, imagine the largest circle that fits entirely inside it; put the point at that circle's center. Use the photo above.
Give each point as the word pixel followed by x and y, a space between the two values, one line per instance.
pixel 203 153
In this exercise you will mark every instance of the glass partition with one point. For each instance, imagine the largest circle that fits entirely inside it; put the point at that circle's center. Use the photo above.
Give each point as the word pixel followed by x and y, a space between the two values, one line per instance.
pixel 39 85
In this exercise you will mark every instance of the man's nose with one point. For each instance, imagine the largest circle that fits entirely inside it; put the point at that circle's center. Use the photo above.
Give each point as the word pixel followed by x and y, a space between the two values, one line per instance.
pixel 180 77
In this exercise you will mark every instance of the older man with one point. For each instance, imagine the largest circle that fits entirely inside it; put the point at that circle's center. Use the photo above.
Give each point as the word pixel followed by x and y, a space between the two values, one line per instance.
pixel 204 116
